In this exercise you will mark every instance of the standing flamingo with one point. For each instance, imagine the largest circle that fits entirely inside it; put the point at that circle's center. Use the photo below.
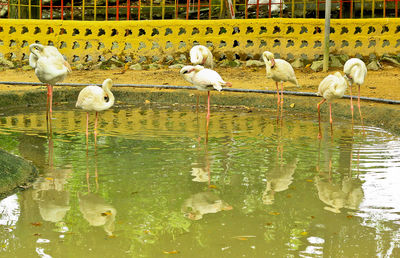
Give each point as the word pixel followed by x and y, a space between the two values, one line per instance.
pixel 355 72
pixel 201 55
pixel 280 71
pixel 94 98
pixel 331 87
pixel 50 68
pixel 204 79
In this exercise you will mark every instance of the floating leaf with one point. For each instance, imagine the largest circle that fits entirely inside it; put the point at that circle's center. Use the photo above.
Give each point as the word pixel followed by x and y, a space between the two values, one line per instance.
pixel 292 105
pixel 268 223
pixel 147 101
pixel 36 224
pixel 243 238
pixel 107 213
pixel 49 178
pixel 289 196
pixel 309 180
pixel 313 217
pixel 37 234
pixel 171 252
pixel 112 236
pixel 273 213
pixel 212 186
pixel 304 233
pixel 349 216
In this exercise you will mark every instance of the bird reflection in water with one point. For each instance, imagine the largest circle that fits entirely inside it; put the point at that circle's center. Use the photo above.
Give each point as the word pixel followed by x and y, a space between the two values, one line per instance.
pixel 203 203
pixel 279 177
pixel 49 191
pixel 340 192
pixel 94 208
pixel 207 202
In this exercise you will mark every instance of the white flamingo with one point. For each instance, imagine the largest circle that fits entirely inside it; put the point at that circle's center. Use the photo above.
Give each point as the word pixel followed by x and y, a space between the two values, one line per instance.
pixel 279 70
pixel 204 79
pixel 50 68
pixel 331 87
pixel 94 98
pixel 355 72
pixel 201 55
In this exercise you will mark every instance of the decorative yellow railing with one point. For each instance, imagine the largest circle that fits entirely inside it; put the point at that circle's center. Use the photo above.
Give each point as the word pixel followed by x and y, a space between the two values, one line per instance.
pixel 93 41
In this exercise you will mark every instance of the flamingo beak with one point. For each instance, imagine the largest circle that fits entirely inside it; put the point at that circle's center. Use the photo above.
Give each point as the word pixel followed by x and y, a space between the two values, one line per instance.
pixel 68 66
pixel 272 63
pixel 204 60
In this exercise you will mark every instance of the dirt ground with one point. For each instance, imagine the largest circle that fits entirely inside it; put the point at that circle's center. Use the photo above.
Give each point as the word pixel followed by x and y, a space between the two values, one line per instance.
pixel 384 83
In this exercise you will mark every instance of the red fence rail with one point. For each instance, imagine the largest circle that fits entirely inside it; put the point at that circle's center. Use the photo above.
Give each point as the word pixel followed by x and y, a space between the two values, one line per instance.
pixel 192 9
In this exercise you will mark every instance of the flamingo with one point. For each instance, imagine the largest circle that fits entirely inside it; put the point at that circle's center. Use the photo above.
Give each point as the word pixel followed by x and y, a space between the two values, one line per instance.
pixel 94 98
pixel 201 55
pixel 279 70
pixel 50 68
pixel 275 4
pixel 355 72
pixel 331 87
pixel 204 79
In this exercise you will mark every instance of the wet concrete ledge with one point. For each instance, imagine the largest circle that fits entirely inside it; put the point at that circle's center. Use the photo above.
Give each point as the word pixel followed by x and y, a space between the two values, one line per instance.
pixel 15 172
pixel 386 116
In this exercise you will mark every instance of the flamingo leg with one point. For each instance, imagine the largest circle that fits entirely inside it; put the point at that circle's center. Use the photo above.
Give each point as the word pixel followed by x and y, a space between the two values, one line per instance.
pixel 50 96
pixel 208 116
pixel 281 99
pixel 95 128
pixel 197 103
pixel 359 109
pixel 208 106
pixel 87 128
pixel 330 117
pixel 278 101
pixel 351 107
pixel 319 118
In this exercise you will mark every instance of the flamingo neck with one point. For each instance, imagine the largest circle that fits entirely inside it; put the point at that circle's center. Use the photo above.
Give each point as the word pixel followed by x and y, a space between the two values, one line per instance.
pixel 111 98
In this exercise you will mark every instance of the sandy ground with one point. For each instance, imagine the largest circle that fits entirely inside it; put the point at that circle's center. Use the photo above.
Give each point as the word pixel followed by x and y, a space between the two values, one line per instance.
pixel 384 83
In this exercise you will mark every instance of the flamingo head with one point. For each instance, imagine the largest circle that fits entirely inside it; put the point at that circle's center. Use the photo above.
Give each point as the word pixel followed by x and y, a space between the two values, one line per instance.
pixel 189 71
pixel 269 58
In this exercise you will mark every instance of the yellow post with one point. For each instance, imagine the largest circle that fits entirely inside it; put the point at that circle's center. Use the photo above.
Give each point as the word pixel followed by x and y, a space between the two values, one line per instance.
pixel 362 8
pixel 29 9
pixel 163 9
pixel 373 8
pixel 95 9
pixel 83 10
pixel 151 9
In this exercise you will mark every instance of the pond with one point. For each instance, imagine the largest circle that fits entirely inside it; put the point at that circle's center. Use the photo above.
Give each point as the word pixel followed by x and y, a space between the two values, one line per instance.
pixel 152 187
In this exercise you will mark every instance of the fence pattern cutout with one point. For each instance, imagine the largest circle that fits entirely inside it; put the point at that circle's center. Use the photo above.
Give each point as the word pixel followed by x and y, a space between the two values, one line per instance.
pixel 82 42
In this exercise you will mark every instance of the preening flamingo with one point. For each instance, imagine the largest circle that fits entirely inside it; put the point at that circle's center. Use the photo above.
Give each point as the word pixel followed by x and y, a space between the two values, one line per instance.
pixel 201 55
pixel 94 98
pixel 279 70
pixel 204 79
pixel 355 72
pixel 50 68
pixel 331 87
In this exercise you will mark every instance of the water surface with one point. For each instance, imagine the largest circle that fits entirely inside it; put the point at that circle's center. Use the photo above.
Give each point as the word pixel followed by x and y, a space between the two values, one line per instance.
pixel 152 187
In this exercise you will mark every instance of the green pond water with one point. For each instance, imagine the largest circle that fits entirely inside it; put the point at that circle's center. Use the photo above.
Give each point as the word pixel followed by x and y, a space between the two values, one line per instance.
pixel 153 188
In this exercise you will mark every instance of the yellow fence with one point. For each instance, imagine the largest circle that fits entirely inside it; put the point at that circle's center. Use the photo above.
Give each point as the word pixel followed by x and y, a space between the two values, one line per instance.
pixel 89 41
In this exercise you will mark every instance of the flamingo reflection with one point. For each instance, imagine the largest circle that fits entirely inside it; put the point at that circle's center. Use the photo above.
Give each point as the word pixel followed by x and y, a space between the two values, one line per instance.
pixel 345 192
pixel 94 208
pixel 203 203
pixel 49 192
